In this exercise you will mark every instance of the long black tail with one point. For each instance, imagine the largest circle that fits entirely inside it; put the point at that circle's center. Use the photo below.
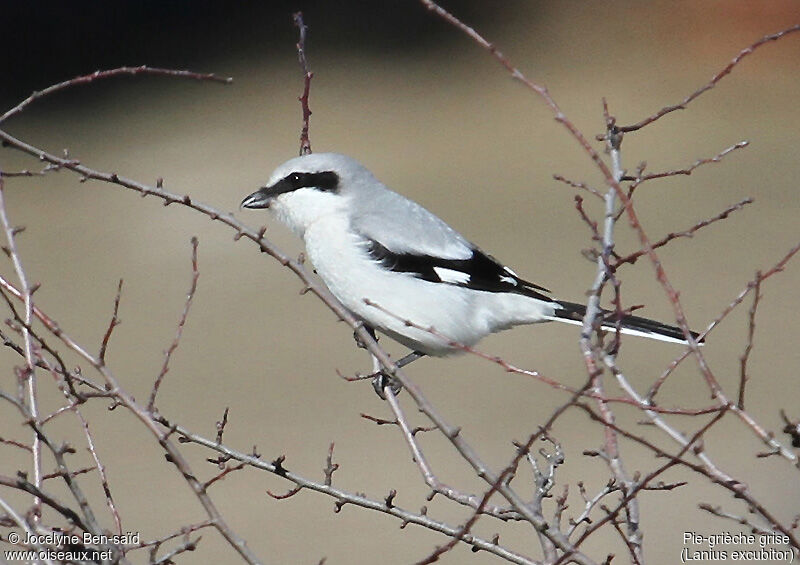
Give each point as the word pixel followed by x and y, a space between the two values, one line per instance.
pixel 573 313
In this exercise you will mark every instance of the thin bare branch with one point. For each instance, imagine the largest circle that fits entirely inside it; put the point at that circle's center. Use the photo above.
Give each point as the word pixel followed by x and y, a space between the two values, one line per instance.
pixel 343 497
pixel 579 185
pixel 776 268
pixel 741 520
pixel 151 404
pixel 15 443
pixel 30 361
pixel 115 321
pixel 477 503
pixel 330 466
pixel 221 425
pixel 305 143
pixel 686 233
pixel 219 476
pixel 751 330
pixel 510 368
pixel 24 525
pixel 121 71
pixel 640 178
pixel 714 80
pixel 738 489
pixel 101 470
pixel 167 558
pixel 145 416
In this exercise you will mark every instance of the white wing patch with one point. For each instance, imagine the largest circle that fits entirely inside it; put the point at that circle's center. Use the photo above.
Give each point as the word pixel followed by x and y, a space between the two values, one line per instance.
pixel 451 276
pixel 509 280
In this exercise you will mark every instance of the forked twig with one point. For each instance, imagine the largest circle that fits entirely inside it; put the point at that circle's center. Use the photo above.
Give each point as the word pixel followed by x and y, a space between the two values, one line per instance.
pixel 714 80
pixel 30 370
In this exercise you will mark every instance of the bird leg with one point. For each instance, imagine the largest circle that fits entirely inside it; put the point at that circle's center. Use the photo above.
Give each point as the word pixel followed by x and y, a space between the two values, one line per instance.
pixel 410 358
pixel 381 379
pixel 370 330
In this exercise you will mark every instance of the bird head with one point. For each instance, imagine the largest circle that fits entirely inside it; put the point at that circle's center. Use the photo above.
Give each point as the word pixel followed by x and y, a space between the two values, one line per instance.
pixel 306 188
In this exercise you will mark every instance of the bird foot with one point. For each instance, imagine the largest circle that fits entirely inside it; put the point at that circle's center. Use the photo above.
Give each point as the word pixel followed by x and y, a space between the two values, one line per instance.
pixel 381 381
pixel 360 342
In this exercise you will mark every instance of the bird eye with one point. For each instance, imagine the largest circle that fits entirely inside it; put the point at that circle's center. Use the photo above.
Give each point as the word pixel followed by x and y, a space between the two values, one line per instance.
pixel 295 177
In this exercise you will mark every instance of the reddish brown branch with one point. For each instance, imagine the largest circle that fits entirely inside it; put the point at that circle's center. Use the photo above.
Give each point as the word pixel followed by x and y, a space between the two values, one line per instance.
pixel 221 425
pixel 505 476
pixel 225 471
pixel 15 443
pixel 586 219
pixel 516 74
pixel 59 474
pixel 173 454
pixel 640 178
pixel 121 71
pixel 738 489
pixel 330 466
pixel 179 332
pixel 686 233
pixel 751 329
pixel 714 80
pixel 115 321
pixel 428 475
pixel 288 494
pixel 101 471
pixel 305 143
pixel 776 268
pixel 579 185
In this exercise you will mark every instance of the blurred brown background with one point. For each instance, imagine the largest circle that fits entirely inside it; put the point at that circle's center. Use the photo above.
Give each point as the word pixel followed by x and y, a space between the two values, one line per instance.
pixel 438 120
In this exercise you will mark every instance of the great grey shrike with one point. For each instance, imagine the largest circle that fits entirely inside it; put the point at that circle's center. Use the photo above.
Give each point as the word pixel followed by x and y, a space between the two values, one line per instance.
pixel 390 261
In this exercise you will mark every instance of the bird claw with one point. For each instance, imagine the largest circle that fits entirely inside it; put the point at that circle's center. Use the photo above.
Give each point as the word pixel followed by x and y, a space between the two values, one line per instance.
pixel 360 342
pixel 381 380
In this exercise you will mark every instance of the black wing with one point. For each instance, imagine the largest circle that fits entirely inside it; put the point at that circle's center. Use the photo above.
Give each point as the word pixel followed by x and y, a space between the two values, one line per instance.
pixel 479 271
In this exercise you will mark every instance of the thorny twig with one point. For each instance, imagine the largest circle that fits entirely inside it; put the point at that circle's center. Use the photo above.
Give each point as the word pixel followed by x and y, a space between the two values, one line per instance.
pixel 686 233
pixel 145 416
pixel 751 330
pixel 626 204
pixel 151 404
pixel 97 75
pixel 437 487
pixel 115 321
pixel 711 83
pixel 640 177
pixel 101 470
pixel 496 482
pixel 742 520
pixel 30 377
pixel 778 267
pixel 305 143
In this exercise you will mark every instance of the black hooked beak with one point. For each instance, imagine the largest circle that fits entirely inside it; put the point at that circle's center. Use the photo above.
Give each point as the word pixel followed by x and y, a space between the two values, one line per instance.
pixel 259 199
pixel 326 181
pixel 262 197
